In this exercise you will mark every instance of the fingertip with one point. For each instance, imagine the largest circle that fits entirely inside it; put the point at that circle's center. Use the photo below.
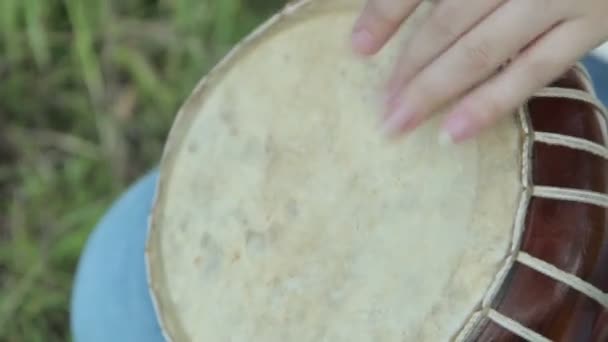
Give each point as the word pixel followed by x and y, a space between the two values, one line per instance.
pixel 399 118
pixel 378 22
pixel 457 127
pixel 363 41
pixel 370 32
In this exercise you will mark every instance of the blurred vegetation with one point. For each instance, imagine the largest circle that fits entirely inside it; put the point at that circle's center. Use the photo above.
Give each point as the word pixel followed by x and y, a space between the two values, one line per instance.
pixel 88 92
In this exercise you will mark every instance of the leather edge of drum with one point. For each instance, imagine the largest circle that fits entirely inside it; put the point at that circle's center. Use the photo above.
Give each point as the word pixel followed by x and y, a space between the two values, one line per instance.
pixel 480 317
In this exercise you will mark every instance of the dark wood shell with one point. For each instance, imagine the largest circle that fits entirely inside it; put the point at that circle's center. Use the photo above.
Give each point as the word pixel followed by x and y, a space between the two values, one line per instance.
pixel 571 236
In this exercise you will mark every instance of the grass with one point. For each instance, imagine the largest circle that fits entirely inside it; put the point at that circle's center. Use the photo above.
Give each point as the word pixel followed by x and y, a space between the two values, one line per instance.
pixel 88 92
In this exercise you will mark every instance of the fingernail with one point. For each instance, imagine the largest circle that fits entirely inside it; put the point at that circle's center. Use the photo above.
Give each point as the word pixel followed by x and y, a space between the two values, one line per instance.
pixel 397 120
pixel 456 128
pixel 363 40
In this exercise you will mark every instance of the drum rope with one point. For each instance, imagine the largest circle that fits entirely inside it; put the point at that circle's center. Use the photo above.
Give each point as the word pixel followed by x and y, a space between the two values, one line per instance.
pixel 564 277
pixel 530 190
pixel 571 142
pixel 515 327
pixel 572 94
pixel 572 195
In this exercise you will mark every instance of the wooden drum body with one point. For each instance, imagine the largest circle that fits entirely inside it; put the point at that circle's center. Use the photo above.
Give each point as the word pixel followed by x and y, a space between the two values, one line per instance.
pixel 283 215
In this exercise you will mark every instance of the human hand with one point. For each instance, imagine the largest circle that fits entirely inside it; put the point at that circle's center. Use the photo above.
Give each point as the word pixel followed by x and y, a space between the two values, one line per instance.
pixel 458 51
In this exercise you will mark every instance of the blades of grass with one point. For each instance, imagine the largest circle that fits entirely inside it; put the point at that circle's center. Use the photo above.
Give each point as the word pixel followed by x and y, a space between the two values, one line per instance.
pixel 193 16
pixel 6 173
pixel 83 48
pixel 115 148
pixel 35 13
pixel 265 7
pixel 145 76
pixel 85 17
pixel 10 12
pixel 71 243
pixel 15 296
pixel 25 249
pixel 79 188
pixel 226 20
pixel 62 141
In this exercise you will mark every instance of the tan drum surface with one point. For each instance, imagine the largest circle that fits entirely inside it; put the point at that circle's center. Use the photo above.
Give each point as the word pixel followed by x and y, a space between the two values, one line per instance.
pixel 283 214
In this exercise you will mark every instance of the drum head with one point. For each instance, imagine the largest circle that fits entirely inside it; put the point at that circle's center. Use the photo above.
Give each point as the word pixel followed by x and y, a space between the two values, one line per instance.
pixel 283 214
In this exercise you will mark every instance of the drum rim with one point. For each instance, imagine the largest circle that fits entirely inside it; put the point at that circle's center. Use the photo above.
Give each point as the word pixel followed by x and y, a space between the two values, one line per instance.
pixel 483 312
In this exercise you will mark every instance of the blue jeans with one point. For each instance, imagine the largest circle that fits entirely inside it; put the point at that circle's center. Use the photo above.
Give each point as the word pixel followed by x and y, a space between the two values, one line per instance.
pixel 110 299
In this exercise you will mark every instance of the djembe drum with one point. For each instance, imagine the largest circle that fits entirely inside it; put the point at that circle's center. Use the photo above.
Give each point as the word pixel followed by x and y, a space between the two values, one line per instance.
pixel 283 215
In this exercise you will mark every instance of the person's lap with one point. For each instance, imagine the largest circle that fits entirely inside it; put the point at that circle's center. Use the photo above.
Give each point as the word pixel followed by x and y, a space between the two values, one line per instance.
pixel 110 300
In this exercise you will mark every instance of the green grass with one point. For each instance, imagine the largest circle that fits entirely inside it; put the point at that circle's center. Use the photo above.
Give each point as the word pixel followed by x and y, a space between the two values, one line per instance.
pixel 88 92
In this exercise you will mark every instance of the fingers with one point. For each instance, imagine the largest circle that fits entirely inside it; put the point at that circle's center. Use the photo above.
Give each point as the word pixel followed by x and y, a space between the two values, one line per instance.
pixel 446 23
pixel 379 20
pixel 550 56
pixel 472 59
